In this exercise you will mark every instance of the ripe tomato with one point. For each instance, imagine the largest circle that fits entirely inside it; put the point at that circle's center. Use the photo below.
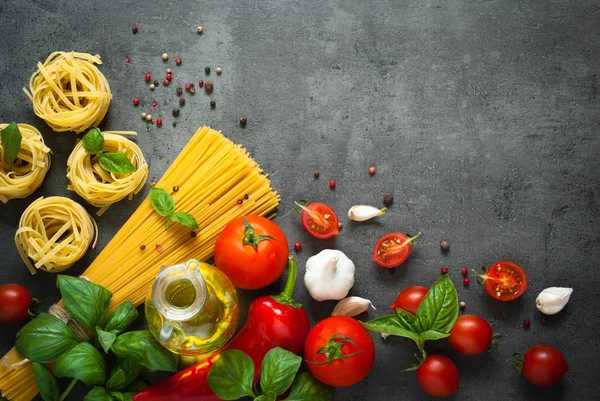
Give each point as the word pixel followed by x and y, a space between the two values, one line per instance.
pixel 544 365
pixel 438 376
pixel 410 299
pixel 393 249
pixel 319 220
pixel 505 281
pixel 471 335
pixel 252 251
pixel 339 351
pixel 15 301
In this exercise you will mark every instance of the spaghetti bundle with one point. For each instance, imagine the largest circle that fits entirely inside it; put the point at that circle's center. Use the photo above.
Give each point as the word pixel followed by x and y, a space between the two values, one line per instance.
pixel 30 168
pixel 69 92
pixel 54 233
pixel 212 174
pixel 99 187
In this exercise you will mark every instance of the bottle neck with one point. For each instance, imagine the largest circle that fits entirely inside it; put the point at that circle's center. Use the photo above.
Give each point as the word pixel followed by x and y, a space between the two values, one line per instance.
pixel 179 292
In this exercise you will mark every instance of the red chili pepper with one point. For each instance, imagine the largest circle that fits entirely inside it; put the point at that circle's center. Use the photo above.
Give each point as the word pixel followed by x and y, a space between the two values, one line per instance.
pixel 273 321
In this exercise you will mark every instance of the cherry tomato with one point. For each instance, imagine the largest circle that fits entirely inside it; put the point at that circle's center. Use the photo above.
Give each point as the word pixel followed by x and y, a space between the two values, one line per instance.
pixel 410 299
pixel 438 376
pixel 252 251
pixel 319 220
pixel 393 249
pixel 505 281
pixel 471 335
pixel 14 301
pixel 339 351
pixel 544 365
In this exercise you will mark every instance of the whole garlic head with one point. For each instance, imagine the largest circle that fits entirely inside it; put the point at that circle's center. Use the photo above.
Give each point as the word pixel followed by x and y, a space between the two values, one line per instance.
pixel 329 275
pixel 553 299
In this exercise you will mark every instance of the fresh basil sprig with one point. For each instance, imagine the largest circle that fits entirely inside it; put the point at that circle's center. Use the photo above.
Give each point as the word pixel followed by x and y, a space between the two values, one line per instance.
pixel 164 205
pixel 231 378
pixel 46 383
pixel 83 362
pixel 11 142
pixel 123 375
pixel 434 319
pixel 86 301
pixel 45 339
pixel 121 318
pixel 113 162
pixel 142 346
pixel 105 338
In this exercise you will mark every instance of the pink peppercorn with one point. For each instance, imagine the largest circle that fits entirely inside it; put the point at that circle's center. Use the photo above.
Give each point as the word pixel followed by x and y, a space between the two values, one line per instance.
pixel 201 83
pixel 136 101
pixel 159 122
pixel 297 246
pixel 158 247
pixel 444 270
pixel 331 184
pixel 154 103
pixel 464 271
pixel 166 82
pixel 147 77
pixel 134 29
pixel 187 87
pixel 466 282
pixel 371 170
pixel 526 324
pixel 127 59
pixel 239 201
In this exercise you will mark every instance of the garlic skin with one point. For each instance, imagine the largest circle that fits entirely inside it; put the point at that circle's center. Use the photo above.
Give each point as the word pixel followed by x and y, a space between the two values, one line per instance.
pixel 329 275
pixel 351 306
pixel 552 300
pixel 364 212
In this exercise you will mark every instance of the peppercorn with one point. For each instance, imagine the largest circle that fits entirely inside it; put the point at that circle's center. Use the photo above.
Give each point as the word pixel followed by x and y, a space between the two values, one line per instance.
pixel 166 82
pixel 466 282
pixel 169 77
pixel 239 201
pixel 340 225
pixel 243 121
pixel 462 305
pixel 177 61
pixel 168 70
pixel 544 319
pixel 155 82
pixel 179 91
pixel 158 247
pixel 193 234
pixel 154 103
pixel 207 70
pixel 165 56
pixel 136 101
pixel 175 112
pixel 174 124
pixel 331 184
pixel 134 29
pixel 371 170
pixel 317 173
pixel 526 324
pixel 159 122
pixel 144 115
pixel 297 246
pixel 444 270
pixel 208 87
pixel 199 29
pixel 142 247
pixel 213 104
pixel 181 101
pixel 175 188
pixel 201 83
pixel 219 70
pixel 152 86
pixel 127 59
pixel 464 271
pixel 149 117
pixel 246 196
pixel 187 87
pixel 388 198
pixel 444 246
pixel 147 77
pixel 192 91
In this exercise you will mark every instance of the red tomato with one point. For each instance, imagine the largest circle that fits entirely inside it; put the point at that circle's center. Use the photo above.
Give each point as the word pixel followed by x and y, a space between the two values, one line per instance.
pixel 393 249
pixel 319 220
pixel 505 281
pixel 410 299
pixel 339 351
pixel 438 376
pixel 544 365
pixel 15 302
pixel 471 335
pixel 252 251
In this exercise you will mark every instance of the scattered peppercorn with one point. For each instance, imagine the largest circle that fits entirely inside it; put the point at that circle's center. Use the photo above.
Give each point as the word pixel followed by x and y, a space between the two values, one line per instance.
pixel 149 117
pixel 154 103
pixel 444 270
pixel 155 82
pixel 169 77
pixel 152 122
pixel 466 282
pixel 213 104
pixel 208 87
pixel 371 170
pixel 544 319
pixel 181 101
pixel 179 91
pixel 192 91
pixel 246 196
pixel 199 29
pixel 166 82
pixel 127 59
pixel 158 247
pixel 464 271
pixel 201 83
pixel 136 101
pixel 462 305
pixel 239 201
pixel 207 70
pixel 159 122
pixel 134 29
pixel 168 70
pixel 152 86
pixel 331 184
pixel 165 56
pixel 144 115
pixel 192 84
pixel 526 323
pixel 317 173
pixel 177 61
pixel 444 246
pixel 340 224
pixel 147 77
pixel 297 246
pixel 388 198
pixel 193 234
pixel 219 70
pixel 175 188
pixel 187 87
pixel 174 124
pixel 243 121
pixel 175 112
pixel 142 247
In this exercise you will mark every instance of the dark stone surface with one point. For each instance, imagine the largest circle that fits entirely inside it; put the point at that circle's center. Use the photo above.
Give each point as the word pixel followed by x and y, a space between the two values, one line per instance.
pixel 481 117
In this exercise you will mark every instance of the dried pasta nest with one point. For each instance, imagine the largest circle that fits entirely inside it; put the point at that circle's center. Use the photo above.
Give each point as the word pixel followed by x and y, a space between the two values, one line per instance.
pixel 69 92
pixel 30 168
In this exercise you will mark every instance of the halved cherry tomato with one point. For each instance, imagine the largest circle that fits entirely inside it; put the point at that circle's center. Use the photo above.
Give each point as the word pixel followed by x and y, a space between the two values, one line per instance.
pixel 410 299
pixel 504 280
pixel 471 335
pixel 319 220
pixel 393 249
pixel 438 376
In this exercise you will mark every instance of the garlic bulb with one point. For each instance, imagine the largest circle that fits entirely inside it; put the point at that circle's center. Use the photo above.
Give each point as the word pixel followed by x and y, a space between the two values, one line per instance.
pixel 329 275
pixel 552 300
pixel 364 212
pixel 351 306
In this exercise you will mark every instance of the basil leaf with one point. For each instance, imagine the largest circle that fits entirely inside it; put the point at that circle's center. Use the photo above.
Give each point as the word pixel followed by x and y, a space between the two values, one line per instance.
pixel 93 141
pixel 390 324
pixel 122 396
pixel 406 319
pixel 141 346
pixel 307 388
pixel 121 318
pixel 11 142
pixel 162 202
pixel 185 218
pixel 45 339
pixel 231 376
pixel 438 310
pixel 82 362
pixel 46 383
pixel 137 386
pixel 98 394
pixel 269 396
pixel 116 162
pixel 278 370
pixel 86 301
pixel 123 374
pixel 105 339
pixel 433 335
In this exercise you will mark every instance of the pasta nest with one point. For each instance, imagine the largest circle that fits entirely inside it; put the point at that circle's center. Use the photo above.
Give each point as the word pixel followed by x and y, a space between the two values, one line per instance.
pixel 69 92
pixel 99 187
pixel 30 168
pixel 54 233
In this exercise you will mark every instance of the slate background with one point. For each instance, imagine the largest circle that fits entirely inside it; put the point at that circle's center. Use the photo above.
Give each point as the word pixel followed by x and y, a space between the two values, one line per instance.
pixel 481 117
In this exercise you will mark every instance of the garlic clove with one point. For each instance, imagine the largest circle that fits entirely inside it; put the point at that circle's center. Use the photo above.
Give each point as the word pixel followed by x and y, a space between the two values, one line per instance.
pixel 553 299
pixel 364 212
pixel 351 306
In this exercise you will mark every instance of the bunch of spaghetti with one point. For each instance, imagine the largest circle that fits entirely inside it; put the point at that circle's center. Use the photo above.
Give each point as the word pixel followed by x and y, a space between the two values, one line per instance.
pixel 54 233
pixel 69 92
pixel 30 168
pixel 100 187
pixel 213 175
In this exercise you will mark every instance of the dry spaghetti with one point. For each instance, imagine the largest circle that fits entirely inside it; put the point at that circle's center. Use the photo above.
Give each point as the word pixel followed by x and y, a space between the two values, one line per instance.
pixel 30 168
pixel 69 92
pixel 99 187
pixel 54 233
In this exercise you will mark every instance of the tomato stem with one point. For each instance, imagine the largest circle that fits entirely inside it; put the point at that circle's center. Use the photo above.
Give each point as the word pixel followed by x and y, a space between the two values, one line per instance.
pixel 414 240
pixel 517 360
pixel 481 277
pixel 287 295
pixel 250 236
pixel 301 204
pixel 494 343
pixel 333 349
pixel 32 310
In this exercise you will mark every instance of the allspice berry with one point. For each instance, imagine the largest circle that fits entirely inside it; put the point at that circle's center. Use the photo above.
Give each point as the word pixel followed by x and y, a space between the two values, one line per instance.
pixel 179 91
pixel 388 198
pixel 444 246
pixel 208 86
pixel 181 101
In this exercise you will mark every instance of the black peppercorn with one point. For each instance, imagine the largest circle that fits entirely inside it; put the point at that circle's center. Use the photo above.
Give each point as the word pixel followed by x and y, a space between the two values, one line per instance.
pixel 246 196
pixel 174 124
pixel 181 101
pixel 155 82
pixel 175 112
pixel 193 234
pixel 142 247
pixel 213 104
pixel 192 84
pixel 388 198
pixel 317 173
pixel 444 246
pixel 179 91
pixel 243 121
pixel 175 188
pixel 207 70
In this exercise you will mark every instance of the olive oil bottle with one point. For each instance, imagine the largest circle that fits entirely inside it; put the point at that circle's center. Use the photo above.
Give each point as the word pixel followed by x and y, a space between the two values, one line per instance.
pixel 192 309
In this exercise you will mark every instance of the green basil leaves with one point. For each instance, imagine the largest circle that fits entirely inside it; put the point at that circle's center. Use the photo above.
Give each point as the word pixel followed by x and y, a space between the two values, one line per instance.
pixel 279 370
pixel 307 388
pixel 46 383
pixel 105 338
pixel 93 141
pixel 45 339
pixel 123 375
pixel 231 376
pixel 86 301
pixel 83 362
pixel 113 162
pixel 164 205
pixel 121 318
pixel 142 347
pixel 11 142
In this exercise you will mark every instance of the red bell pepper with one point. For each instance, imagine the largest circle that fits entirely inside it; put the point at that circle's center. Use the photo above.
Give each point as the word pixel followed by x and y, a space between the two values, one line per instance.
pixel 273 321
